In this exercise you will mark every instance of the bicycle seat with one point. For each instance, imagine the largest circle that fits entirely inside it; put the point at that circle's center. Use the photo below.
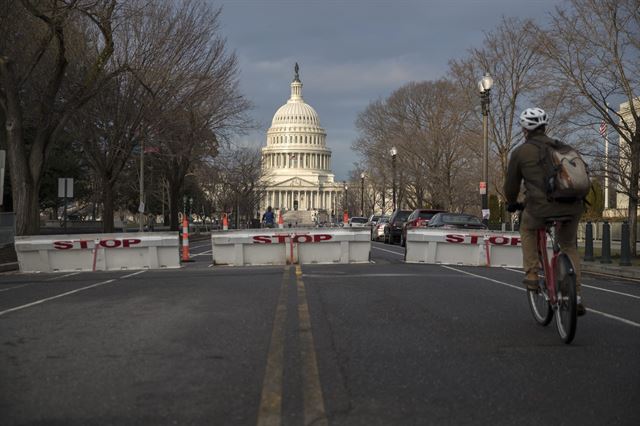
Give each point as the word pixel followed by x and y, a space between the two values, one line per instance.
pixel 552 219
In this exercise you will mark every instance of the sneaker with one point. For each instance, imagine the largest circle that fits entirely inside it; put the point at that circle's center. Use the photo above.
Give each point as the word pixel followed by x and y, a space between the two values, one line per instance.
pixel 580 309
pixel 531 281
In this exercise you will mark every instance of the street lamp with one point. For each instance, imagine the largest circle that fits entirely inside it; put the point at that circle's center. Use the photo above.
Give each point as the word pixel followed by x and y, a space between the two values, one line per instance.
pixel 184 205
pixel 362 194
pixel 346 198
pixel 190 208
pixel 484 85
pixel 394 152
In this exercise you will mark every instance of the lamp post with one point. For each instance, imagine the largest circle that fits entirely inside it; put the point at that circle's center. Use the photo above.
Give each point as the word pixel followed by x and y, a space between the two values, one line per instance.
pixel 362 194
pixel 484 85
pixel 184 205
pixel 394 152
pixel 190 208
pixel 346 198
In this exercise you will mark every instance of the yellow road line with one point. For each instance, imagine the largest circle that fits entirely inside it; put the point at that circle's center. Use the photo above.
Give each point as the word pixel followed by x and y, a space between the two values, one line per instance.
pixel 313 400
pixel 270 411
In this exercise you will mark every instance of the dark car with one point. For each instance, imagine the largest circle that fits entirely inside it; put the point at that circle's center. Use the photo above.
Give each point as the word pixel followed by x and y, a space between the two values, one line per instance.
pixel 418 218
pixel 456 221
pixel 393 229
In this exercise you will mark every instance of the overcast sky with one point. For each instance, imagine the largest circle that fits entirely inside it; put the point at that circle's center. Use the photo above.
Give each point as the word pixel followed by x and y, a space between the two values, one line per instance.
pixel 352 52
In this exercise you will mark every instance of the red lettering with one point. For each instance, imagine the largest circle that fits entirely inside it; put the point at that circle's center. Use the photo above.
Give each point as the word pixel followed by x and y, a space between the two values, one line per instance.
pixel 262 239
pixel 62 245
pixel 282 238
pixel 110 243
pixel 83 244
pixel 307 238
pixel 474 239
pixel 128 242
pixel 321 237
pixel 515 241
pixel 499 240
pixel 454 238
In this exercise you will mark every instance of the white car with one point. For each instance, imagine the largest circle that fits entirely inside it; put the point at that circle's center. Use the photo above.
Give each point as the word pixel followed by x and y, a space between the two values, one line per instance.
pixel 357 222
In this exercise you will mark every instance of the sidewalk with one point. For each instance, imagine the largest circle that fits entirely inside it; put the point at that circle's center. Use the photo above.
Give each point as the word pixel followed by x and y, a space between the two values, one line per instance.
pixel 612 268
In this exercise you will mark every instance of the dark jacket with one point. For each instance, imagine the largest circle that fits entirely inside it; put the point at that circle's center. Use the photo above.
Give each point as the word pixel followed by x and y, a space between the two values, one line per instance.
pixel 525 164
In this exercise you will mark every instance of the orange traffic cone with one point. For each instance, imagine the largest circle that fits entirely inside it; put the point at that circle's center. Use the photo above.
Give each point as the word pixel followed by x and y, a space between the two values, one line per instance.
pixel 185 239
pixel 225 222
pixel 280 219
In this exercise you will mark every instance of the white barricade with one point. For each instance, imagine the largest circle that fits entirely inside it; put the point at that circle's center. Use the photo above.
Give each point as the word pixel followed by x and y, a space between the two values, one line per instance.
pixel 102 252
pixel 272 246
pixel 461 247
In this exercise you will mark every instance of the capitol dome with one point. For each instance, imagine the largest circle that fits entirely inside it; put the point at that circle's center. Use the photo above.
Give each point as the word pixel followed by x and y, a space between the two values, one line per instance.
pixel 295 112
pixel 296 162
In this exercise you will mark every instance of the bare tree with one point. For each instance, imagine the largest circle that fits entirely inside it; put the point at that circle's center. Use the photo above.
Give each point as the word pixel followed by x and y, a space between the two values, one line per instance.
pixel 41 87
pixel 594 47
pixel 427 123
pixel 509 54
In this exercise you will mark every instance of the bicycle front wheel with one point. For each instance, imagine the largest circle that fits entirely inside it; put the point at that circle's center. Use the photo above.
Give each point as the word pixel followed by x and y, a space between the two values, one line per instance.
pixel 566 316
pixel 540 307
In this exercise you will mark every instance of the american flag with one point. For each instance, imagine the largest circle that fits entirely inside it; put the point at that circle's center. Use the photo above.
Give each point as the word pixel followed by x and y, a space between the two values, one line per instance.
pixel 603 129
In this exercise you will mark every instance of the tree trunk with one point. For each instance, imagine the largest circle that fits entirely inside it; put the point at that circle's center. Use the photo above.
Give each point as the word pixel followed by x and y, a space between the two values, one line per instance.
pixel 174 196
pixel 633 191
pixel 107 207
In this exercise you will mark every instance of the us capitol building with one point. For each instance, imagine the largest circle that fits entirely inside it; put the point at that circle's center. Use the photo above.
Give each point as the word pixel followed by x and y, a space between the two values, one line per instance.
pixel 296 163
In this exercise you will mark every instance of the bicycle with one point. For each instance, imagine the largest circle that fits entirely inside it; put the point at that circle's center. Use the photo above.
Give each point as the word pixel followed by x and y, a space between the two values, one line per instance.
pixel 556 292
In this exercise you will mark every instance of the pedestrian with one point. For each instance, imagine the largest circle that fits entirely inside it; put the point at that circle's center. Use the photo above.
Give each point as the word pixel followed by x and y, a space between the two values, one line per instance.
pixel 524 164
pixel 268 218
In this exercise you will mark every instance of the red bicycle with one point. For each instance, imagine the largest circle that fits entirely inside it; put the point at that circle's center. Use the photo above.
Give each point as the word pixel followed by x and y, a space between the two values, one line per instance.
pixel 556 292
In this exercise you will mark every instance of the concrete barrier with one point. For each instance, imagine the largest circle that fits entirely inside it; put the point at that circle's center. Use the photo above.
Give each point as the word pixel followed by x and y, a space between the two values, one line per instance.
pixel 104 252
pixel 280 246
pixel 461 247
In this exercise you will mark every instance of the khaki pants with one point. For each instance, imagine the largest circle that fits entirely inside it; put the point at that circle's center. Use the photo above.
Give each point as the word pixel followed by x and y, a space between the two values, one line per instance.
pixel 567 237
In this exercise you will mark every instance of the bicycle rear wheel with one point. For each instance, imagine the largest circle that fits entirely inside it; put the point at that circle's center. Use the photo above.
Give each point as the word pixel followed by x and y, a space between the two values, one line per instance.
pixel 566 317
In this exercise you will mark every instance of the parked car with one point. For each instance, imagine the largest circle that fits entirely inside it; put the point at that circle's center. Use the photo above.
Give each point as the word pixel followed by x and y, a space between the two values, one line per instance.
pixel 377 230
pixel 417 218
pixel 357 222
pixel 393 229
pixel 456 221
pixel 373 219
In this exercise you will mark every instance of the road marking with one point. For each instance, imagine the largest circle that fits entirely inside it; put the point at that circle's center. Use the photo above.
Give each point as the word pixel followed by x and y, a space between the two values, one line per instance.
pixel 615 317
pixel 593 287
pixel 37 302
pixel 604 314
pixel 389 251
pixel 132 275
pixel 63 276
pixel 17 286
pixel 202 254
pixel 270 411
pixel 314 412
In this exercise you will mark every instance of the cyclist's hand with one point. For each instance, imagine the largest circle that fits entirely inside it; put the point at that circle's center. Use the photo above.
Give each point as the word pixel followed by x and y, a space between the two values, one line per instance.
pixel 514 207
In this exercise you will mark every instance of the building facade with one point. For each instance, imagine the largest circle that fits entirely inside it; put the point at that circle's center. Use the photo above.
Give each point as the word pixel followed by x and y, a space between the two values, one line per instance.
pixel 296 162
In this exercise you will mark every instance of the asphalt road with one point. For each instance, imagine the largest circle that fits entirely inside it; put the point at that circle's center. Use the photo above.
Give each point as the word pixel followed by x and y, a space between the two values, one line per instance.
pixel 385 343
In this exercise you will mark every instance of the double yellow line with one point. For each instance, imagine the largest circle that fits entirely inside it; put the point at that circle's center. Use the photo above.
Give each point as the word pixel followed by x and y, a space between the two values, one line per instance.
pixel 270 411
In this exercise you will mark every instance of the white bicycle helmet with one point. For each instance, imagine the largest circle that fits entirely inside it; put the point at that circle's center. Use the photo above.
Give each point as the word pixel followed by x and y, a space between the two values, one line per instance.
pixel 532 118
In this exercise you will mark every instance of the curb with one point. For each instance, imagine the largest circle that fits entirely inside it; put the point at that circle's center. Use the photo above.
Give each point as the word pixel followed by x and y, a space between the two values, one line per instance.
pixel 611 269
pixel 11 266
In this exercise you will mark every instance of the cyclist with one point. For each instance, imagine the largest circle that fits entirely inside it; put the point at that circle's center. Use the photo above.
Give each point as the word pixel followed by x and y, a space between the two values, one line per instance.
pixel 268 218
pixel 524 164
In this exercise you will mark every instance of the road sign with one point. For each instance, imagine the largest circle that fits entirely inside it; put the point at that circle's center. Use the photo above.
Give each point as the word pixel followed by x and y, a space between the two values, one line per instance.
pixel 65 187
pixel 483 188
